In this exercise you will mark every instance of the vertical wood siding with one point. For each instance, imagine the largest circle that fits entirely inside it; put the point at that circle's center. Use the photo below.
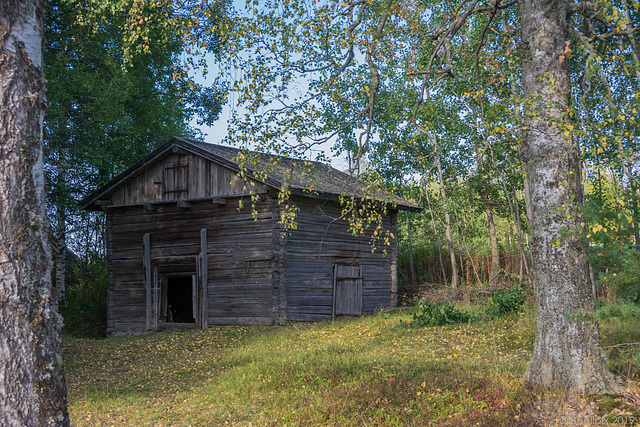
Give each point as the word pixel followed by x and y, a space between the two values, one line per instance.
pixel 110 274
pixel 162 180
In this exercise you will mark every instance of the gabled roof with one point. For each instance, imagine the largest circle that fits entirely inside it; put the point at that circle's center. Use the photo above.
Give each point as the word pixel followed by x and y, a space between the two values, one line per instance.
pixel 313 179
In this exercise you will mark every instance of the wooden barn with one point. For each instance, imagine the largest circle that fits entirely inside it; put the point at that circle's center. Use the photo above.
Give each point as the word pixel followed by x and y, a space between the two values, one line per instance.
pixel 181 250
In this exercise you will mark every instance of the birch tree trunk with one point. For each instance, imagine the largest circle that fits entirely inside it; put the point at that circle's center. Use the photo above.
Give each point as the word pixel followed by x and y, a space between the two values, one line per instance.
pixel 567 352
pixel 32 390
pixel 447 220
pixel 495 253
pixel 435 233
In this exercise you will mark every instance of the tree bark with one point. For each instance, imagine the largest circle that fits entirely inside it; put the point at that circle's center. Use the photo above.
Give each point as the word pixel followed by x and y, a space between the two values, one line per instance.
pixel 495 253
pixel 32 389
pixel 567 352
pixel 411 267
pixel 447 220
pixel 435 233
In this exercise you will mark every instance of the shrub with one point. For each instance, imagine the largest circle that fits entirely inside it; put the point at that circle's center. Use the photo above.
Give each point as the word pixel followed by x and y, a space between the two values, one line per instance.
pixel 84 309
pixel 436 314
pixel 506 301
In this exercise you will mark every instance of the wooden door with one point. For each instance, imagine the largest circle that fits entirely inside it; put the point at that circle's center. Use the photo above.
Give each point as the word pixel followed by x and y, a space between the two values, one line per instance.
pixel 347 290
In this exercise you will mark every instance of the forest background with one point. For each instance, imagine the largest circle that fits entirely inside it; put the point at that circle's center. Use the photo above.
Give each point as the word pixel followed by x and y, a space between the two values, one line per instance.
pixel 117 93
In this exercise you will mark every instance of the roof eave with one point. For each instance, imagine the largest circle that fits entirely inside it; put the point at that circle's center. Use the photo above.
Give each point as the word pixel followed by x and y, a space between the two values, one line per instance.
pixel 336 197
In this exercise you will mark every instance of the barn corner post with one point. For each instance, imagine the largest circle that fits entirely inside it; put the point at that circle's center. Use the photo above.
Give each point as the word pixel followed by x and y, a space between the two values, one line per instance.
pixel 32 390
pixel 146 262
pixel 203 305
pixel 567 352
pixel 278 278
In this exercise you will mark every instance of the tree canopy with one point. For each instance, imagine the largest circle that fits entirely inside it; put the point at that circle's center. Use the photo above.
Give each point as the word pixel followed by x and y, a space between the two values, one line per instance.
pixel 501 97
pixel 120 82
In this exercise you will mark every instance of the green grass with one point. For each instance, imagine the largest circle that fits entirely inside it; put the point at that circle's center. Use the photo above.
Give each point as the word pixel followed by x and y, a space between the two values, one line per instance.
pixel 367 371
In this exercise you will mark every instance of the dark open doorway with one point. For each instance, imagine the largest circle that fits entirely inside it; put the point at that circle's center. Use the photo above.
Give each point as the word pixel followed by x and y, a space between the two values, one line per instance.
pixel 180 299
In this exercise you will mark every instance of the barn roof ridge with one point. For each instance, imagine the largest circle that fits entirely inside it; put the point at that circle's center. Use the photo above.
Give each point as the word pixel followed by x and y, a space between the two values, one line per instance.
pixel 327 183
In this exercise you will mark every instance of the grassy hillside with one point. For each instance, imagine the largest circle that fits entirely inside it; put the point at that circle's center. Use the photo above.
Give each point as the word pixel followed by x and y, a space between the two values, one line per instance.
pixel 368 371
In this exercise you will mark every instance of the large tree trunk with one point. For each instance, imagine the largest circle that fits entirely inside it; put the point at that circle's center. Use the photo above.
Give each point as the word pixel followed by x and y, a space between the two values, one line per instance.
pixel 32 390
pixel 567 353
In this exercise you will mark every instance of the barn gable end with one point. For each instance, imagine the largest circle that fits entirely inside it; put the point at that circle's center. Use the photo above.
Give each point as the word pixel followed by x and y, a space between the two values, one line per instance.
pixel 181 176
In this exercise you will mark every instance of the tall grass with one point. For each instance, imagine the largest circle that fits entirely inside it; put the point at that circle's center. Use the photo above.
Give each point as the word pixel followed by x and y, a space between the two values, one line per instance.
pixel 367 371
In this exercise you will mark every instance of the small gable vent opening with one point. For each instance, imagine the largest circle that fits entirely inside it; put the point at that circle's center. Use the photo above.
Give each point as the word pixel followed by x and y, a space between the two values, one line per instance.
pixel 181 299
pixel 176 180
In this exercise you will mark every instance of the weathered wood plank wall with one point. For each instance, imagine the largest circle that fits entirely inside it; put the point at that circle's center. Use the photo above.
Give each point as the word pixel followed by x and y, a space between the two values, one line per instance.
pixel 256 271
pixel 240 248
pixel 239 258
pixel 321 241
pixel 110 273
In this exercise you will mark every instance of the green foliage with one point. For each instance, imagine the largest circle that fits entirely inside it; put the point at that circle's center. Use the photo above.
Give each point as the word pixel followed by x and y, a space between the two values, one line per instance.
pixel 613 218
pixel 623 322
pixel 437 314
pixel 607 310
pixel 506 301
pixel 84 309
pixel 110 102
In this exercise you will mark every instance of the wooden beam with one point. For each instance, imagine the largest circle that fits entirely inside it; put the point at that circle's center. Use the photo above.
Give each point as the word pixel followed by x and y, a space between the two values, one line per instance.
pixel 183 204
pixel 204 297
pixel 218 201
pixel 146 262
pixel 103 205
pixel 148 206
pixel 333 309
